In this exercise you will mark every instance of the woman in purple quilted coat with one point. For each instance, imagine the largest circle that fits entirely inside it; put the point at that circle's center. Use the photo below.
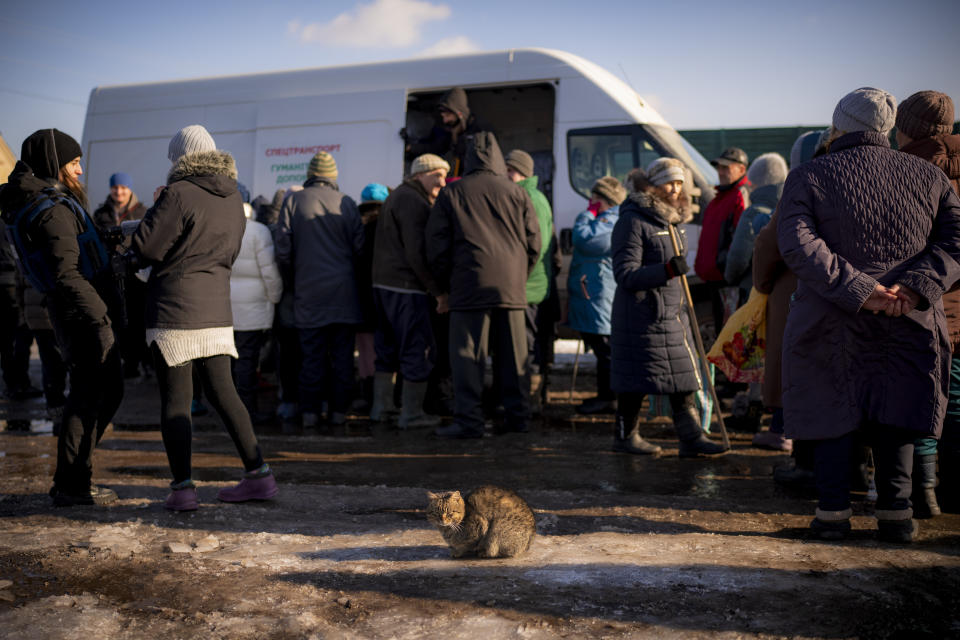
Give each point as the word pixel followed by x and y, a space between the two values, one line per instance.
pixel 874 237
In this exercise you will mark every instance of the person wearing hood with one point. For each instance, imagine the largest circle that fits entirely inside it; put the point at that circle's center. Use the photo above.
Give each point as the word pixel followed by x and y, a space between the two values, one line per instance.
pixel 650 337
pixel 482 242
pixel 320 239
pixel 866 347
pixel 80 299
pixel 924 126
pixel 122 205
pixel 190 238
pixel 456 125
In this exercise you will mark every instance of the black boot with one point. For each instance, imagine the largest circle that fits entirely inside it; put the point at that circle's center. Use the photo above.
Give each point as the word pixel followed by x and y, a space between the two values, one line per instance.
pixel 686 421
pixel 924 496
pixel 631 442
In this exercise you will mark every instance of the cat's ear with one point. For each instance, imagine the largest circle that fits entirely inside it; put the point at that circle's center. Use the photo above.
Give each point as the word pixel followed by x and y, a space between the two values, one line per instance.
pixel 454 494
pixel 432 496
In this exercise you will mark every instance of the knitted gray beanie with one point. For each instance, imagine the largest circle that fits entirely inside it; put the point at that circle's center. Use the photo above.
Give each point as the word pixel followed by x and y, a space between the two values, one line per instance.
pixel 769 168
pixel 192 139
pixel 866 109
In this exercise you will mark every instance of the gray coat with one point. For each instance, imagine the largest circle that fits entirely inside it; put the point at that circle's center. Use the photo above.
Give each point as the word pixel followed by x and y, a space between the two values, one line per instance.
pixel 319 237
pixel 763 202
pixel 860 215
pixel 651 341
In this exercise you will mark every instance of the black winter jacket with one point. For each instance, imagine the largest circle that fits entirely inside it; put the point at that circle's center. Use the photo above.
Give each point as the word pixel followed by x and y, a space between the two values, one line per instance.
pixel 77 305
pixel 399 257
pixel 483 237
pixel 191 237
pixel 651 341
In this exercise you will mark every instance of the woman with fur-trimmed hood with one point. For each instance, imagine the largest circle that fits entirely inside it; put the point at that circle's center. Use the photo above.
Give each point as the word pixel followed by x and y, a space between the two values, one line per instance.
pixel 652 345
pixel 190 239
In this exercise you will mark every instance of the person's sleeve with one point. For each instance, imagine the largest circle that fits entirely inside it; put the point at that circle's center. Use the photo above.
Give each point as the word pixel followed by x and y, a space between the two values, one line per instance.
pixel 57 230
pixel 160 228
pixel 267 265
pixel 591 236
pixel 412 228
pixel 532 228
pixel 741 250
pixel 937 268
pixel 438 240
pixel 830 275
pixel 283 238
pixel 768 266
pixel 628 268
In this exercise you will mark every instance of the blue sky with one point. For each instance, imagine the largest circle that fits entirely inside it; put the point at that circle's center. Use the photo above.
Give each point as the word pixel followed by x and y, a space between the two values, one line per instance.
pixel 701 64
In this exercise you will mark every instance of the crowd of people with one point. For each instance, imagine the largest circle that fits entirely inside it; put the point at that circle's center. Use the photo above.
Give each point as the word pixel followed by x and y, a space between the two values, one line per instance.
pixel 405 295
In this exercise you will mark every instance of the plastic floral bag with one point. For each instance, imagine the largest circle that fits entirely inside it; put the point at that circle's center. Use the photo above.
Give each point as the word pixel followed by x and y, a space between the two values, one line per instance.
pixel 740 348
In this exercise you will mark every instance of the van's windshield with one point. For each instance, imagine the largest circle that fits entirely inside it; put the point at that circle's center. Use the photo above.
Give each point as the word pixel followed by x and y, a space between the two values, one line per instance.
pixel 614 151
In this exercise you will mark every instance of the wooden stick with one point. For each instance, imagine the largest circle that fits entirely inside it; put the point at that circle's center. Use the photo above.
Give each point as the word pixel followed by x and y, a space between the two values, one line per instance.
pixel 695 327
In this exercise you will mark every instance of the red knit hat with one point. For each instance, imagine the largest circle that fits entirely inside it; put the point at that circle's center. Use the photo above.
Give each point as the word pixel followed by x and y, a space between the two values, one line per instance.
pixel 925 114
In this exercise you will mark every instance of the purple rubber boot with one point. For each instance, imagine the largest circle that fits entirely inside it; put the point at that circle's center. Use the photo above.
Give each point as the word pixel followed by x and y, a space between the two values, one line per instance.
pixel 182 499
pixel 252 487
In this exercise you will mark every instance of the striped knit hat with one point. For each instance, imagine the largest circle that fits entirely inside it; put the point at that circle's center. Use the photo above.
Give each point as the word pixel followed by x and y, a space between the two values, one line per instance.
pixel 322 165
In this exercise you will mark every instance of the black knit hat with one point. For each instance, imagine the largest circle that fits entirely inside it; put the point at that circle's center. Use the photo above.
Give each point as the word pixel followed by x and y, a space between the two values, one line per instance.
pixel 46 150
pixel 925 114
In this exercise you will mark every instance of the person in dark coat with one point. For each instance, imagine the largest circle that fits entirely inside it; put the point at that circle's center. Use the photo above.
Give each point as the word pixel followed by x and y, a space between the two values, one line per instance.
pixel 873 236
pixel 450 139
pixel 653 351
pixel 49 168
pixel 924 125
pixel 190 239
pixel 404 292
pixel 320 237
pixel 122 205
pixel 371 202
pixel 482 241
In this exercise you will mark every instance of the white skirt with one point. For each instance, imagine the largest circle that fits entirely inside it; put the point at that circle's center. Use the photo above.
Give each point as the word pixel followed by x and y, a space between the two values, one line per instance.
pixel 179 346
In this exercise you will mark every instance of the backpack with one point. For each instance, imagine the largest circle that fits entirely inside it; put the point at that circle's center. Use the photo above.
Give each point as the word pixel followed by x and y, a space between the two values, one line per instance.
pixel 33 264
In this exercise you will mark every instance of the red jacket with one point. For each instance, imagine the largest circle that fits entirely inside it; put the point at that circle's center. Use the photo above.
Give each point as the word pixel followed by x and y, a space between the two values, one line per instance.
pixel 720 218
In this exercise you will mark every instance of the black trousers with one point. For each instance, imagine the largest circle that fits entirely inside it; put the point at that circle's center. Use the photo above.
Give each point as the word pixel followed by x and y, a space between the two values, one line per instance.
pixel 249 344
pixel 893 461
pixel 176 394
pixel 15 366
pixel 53 367
pixel 600 345
pixel 95 394
pixel 289 362
pixel 327 371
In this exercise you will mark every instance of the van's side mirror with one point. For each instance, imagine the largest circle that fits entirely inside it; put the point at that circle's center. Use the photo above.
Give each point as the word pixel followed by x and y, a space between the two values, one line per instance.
pixel 566 241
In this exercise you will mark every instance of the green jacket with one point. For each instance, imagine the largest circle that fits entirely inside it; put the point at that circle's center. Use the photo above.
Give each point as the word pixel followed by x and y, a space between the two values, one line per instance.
pixel 538 283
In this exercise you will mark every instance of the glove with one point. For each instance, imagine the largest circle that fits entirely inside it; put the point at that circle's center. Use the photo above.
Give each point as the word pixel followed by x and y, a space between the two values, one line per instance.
pixel 676 266
pixel 105 341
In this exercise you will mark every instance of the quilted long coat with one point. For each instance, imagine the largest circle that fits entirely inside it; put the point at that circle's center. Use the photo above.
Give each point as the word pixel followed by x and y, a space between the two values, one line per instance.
pixel 651 342
pixel 864 214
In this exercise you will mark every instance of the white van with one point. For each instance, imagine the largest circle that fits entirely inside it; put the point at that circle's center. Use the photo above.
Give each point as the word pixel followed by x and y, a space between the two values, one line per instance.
pixel 578 121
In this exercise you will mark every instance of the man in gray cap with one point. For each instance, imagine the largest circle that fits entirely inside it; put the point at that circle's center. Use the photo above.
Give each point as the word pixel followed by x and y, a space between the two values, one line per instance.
pixel 873 236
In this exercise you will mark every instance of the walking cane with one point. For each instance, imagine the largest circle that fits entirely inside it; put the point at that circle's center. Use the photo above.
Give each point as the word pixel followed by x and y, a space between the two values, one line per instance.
pixel 576 365
pixel 695 326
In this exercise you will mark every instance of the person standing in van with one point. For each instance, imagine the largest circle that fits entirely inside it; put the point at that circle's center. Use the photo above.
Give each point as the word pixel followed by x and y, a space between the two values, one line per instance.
pixel 457 125
pixel 62 253
pixel 320 237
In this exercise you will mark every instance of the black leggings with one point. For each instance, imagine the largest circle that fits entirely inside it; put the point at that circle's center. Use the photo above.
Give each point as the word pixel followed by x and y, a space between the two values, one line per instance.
pixel 176 393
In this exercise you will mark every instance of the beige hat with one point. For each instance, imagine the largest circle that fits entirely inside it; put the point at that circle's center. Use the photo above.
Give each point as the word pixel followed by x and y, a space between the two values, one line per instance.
pixel 428 162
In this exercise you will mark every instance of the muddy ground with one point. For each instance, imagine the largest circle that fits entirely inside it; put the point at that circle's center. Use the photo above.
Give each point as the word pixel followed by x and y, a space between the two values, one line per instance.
pixel 626 546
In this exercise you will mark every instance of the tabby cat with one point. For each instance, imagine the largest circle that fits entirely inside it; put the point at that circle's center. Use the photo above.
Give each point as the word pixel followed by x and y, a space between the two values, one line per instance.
pixel 491 522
